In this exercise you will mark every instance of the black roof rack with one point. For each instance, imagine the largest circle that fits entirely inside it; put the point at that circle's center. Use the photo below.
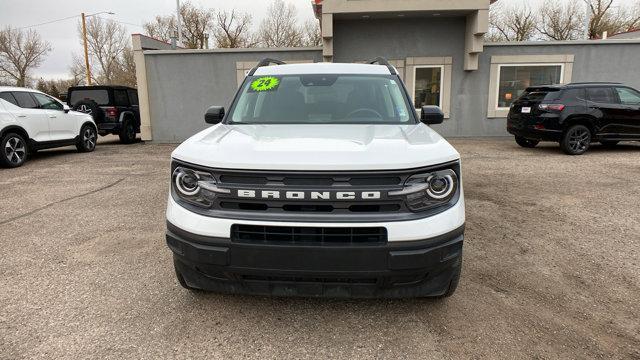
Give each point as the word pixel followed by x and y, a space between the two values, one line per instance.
pixel 595 83
pixel 382 61
pixel 265 62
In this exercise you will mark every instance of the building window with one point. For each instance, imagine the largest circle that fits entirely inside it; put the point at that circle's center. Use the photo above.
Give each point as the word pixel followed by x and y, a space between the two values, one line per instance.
pixel 427 86
pixel 510 75
pixel 514 79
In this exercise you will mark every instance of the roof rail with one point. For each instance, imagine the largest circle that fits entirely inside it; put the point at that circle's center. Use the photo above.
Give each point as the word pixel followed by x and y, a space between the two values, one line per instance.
pixel 382 61
pixel 594 82
pixel 265 62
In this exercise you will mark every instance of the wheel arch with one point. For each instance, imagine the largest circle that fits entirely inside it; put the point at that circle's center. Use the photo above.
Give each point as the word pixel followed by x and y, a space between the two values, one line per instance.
pixel 17 129
pixel 90 123
pixel 128 115
pixel 586 120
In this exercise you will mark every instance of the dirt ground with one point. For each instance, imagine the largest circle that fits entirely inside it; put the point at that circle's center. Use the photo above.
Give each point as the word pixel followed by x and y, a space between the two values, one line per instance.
pixel 551 268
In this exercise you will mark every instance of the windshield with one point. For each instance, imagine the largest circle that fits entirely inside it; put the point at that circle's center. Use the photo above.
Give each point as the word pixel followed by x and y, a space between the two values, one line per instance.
pixel 321 99
pixel 101 97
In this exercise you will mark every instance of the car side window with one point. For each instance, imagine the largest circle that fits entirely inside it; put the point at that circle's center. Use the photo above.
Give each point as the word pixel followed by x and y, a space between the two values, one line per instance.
pixel 603 95
pixel 8 97
pixel 628 96
pixel 47 102
pixel 120 98
pixel 25 100
pixel 133 97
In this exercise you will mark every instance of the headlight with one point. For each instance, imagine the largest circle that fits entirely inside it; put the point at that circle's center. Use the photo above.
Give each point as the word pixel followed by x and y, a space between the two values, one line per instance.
pixel 195 187
pixel 429 190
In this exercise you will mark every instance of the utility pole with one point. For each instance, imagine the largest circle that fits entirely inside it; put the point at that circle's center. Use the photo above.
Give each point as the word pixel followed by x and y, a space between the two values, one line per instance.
pixel 86 48
pixel 587 20
pixel 84 41
pixel 179 22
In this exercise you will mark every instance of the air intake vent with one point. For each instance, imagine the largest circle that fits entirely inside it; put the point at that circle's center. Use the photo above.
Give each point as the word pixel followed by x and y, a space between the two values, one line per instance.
pixel 308 235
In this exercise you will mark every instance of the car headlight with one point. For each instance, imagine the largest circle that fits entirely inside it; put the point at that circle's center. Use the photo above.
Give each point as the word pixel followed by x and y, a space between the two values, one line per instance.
pixel 195 187
pixel 429 190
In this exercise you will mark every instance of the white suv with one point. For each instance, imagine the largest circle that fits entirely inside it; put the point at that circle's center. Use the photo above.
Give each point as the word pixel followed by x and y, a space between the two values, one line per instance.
pixel 31 120
pixel 320 180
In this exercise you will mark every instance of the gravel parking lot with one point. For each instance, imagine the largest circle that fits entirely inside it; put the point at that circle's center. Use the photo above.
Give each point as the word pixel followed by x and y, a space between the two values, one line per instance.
pixel 551 268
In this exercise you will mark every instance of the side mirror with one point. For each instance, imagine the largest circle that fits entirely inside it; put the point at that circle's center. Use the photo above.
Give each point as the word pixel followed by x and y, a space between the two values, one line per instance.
pixel 431 115
pixel 214 115
pixel 66 108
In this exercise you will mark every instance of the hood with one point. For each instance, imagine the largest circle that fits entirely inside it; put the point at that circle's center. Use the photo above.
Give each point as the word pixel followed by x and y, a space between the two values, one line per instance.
pixel 316 147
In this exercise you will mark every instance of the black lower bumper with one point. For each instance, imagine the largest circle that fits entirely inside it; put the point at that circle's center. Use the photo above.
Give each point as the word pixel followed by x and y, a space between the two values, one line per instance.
pixel 536 134
pixel 404 269
pixel 109 127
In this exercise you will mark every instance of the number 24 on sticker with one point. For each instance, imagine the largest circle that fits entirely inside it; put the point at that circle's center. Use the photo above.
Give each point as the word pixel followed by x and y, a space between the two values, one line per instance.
pixel 268 83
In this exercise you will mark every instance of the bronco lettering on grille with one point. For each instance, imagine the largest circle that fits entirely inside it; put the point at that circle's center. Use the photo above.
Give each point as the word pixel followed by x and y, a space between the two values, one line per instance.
pixel 309 195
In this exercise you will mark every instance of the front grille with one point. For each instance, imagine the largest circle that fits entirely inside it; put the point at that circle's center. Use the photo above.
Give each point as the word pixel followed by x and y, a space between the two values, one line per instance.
pixel 382 181
pixel 308 235
pixel 312 208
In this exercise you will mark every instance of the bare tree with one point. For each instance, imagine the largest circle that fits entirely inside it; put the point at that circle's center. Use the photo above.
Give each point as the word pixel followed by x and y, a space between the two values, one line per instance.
pixel 233 30
pixel 279 28
pixel 78 71
pixel 126 73
pixel 510 23
pixel 161 28
pixel 107 41
pixel 56 87
pixel 21 52
pixel 558 21
pixel 606 17
pixel 197 22
pixel 311 33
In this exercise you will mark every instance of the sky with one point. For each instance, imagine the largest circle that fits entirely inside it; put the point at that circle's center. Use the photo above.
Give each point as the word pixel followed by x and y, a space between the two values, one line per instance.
pixel 63 37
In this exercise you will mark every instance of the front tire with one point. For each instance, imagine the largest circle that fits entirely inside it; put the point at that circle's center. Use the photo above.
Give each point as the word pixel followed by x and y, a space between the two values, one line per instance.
pixel 14 150
pixel 526 143
pixel 128 133
pixel 88 139
pixel 576 140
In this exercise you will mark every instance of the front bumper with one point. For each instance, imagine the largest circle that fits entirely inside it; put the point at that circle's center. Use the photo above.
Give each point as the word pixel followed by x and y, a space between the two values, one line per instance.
pixel 391 270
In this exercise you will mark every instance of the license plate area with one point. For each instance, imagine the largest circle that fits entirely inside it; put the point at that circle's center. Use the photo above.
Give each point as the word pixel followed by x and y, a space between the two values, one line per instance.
pixel 526 110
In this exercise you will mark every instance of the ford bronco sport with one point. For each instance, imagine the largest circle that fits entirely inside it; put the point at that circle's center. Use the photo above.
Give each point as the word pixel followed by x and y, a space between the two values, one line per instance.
pixel 320 180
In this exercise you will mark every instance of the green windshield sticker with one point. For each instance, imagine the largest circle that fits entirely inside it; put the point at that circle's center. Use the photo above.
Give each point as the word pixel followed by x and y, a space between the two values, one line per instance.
pixel 267 83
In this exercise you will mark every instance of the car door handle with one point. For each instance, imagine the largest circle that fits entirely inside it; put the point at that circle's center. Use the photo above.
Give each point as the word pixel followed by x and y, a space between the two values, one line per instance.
pixel 22 116
pixel 52 116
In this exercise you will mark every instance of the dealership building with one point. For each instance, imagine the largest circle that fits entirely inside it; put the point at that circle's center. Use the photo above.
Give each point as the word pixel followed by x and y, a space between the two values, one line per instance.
pixel 437 46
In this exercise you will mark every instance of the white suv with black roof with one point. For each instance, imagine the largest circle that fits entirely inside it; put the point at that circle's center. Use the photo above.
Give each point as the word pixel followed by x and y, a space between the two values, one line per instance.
pixel 31 120
pixel 320 180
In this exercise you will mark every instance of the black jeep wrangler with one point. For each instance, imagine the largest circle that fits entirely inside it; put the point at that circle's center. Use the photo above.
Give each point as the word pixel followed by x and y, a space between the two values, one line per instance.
pixel 114 109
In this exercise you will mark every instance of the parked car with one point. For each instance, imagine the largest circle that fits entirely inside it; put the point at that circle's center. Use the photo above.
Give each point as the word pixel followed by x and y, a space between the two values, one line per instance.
pixel 31 120
pixel 575 115
pixel 320 180
pixel 114 109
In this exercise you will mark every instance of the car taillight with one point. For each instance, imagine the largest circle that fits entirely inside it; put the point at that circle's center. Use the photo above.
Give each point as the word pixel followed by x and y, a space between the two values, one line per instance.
pixel 551 107
pixel 111 112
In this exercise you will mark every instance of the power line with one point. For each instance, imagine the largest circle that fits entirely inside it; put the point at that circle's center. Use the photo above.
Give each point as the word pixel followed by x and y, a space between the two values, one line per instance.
pixel 48 22
pixel 75 16
pixel 120 22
